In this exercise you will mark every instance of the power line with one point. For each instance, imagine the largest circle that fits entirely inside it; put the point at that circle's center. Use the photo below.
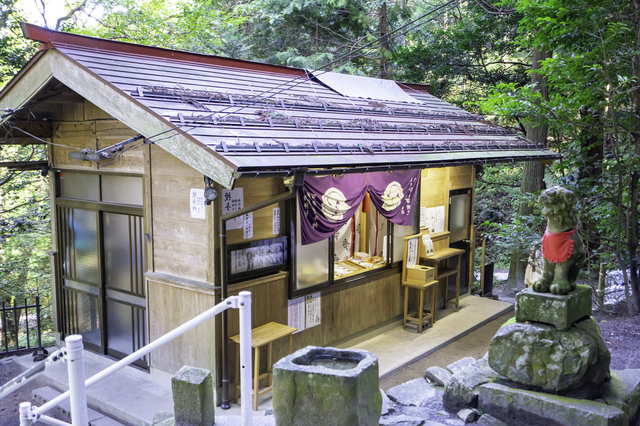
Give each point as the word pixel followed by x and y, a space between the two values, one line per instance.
pixel 287 85
pixel 386 38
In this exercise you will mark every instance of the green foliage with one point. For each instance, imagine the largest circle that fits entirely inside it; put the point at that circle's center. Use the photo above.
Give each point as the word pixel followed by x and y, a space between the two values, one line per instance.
pixel 25 231
pixel 14 49
pixel 191 26
pixel 462 54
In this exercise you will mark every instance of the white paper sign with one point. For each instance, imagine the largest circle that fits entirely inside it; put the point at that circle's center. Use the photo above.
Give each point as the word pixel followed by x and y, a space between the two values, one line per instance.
pixel 196 200
pixel 276 221
pixel 247 226
pixel 297 314
pixel 423 217
pixel 232 200
pixel 439 219
pixel 313 309
pixel 412 252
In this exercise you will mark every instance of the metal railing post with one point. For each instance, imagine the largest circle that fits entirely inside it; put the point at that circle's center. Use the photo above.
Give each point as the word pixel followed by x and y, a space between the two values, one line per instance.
pixel 77 390
pixel 244 308
pixel 25 414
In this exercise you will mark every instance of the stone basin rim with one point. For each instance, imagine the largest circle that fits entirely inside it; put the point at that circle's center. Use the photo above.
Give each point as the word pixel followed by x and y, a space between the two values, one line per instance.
pixel 366 360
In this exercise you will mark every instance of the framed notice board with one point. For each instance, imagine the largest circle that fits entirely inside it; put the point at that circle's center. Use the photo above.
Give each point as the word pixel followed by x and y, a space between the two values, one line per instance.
pixel 256 258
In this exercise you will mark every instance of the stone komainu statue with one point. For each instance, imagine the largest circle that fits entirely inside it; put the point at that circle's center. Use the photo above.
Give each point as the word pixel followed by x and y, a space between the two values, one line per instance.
pixel 562 246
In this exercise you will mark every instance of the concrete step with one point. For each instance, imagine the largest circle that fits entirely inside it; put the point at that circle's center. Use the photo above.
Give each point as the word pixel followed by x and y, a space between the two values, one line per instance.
pixel 62 411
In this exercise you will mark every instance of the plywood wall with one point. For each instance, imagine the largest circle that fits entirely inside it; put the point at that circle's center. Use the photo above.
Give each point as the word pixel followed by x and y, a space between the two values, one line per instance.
pixel 256 190
pixel 83 125
pixel 436 184
pixel 170 305
pixel 179 241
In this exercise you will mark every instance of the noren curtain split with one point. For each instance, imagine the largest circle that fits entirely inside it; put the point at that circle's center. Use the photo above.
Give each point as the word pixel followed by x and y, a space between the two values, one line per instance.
pixel 328 202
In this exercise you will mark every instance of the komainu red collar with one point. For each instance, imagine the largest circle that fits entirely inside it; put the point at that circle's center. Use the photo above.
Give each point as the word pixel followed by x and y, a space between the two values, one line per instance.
pixel 557 248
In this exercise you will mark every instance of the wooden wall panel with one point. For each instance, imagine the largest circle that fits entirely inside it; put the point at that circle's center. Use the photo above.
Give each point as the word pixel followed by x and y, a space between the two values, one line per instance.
pixel 170 306
pixel 83 125
pixel 180 241
pixel 346 310
pixel 76 134
pixel 110 132
pixel 255 190
pixel 461 177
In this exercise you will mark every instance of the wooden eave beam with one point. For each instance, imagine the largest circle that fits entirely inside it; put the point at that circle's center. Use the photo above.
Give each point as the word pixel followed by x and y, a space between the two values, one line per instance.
pixel 24 165
pixel 14 130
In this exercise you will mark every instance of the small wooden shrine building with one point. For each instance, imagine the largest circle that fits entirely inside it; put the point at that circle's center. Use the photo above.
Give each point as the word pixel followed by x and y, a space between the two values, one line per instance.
pixel 151 150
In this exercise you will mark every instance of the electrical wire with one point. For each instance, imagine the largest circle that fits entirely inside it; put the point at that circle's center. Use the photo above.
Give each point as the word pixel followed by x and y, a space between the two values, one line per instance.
pixel 11 128
pixel 289 84
pixel 385 39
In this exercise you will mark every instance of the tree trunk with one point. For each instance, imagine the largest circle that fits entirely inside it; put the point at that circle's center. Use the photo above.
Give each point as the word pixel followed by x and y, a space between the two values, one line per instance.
pixel 633 300
pixel 384 72
pixel 532 174
pixel 592 150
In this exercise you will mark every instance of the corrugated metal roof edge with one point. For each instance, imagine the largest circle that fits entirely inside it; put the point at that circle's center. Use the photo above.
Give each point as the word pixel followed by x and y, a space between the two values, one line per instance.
pixel 435 162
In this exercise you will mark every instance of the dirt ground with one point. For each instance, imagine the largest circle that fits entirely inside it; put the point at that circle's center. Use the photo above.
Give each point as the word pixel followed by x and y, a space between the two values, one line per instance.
pixel 9 415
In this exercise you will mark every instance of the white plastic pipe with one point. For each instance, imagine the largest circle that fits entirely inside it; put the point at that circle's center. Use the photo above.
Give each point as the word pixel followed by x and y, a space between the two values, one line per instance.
pixel 75 367
pixel 25 414
pixel 222 306
pixel 244 306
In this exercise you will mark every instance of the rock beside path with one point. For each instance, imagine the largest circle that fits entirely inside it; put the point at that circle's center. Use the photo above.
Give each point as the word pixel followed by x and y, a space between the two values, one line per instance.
pixel 438 376
pixel 415 392
pixel 522 407
pixel 544 358
pixel 462 391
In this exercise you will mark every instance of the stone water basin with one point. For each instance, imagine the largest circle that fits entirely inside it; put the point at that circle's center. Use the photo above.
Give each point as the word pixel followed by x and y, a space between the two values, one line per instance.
pixel 327 386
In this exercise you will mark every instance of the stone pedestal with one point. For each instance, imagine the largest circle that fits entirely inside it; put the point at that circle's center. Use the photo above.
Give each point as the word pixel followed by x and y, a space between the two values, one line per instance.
pixel 193 397
pixel 539 356
pixel 560 311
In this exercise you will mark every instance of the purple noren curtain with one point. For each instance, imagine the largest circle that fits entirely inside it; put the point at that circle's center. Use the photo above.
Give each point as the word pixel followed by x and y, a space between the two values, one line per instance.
pixel 327 203
pixel 394 194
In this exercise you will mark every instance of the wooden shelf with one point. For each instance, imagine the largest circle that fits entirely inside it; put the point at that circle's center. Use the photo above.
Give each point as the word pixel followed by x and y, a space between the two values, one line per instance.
pixel 445 272
pixel 443 254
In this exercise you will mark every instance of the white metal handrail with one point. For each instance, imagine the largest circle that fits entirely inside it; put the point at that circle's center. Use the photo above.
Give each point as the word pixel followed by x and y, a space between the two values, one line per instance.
pixel 73 355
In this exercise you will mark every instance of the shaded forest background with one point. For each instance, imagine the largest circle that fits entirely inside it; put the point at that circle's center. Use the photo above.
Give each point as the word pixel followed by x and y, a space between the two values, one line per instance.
pixel 561 72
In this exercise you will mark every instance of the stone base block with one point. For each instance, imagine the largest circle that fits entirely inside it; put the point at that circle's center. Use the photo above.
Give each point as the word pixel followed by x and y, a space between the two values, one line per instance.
pixel 193 397
pixel 574 363
pixel 309 392
pixel 623 391
pixel 559 311
pixel 521 407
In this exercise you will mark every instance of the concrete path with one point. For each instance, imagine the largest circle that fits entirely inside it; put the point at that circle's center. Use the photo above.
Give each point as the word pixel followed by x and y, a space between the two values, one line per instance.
pixel 130 397
pixel 397 348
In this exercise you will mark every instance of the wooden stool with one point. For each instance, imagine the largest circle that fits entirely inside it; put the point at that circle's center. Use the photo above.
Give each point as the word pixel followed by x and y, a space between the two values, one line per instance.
pixel 418 317
pixel 260 336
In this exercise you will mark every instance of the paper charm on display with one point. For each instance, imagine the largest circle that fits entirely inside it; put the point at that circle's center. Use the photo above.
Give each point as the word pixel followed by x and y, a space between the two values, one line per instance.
pixel 196 201
pixel 232 200
pixel 423 217
pixel 276 221
pixel 412 252
pixel 439 219
pixel 247 226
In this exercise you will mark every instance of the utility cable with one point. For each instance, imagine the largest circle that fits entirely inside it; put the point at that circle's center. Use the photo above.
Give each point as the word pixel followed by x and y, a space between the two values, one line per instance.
pixel 386 38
